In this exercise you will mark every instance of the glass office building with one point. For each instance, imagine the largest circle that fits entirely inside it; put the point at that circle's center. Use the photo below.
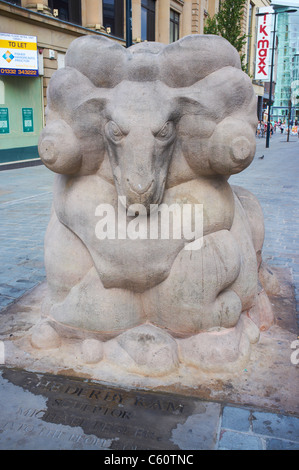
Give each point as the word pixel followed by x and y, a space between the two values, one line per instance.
pixel 287 79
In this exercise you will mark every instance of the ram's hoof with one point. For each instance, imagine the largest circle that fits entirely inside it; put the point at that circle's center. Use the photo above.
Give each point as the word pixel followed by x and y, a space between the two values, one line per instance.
pixel 44 336
pixel 92 351
pixel 144 350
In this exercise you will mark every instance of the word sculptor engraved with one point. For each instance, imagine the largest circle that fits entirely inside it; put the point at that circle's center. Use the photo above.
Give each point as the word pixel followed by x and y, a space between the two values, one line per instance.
pixel 154 226
pixel 145 139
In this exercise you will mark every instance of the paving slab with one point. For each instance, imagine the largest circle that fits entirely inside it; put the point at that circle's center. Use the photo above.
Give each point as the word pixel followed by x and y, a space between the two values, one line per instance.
pixel 278 444
pixel 250 429
pixel 285 427
pixel 230 440
pixel 236 418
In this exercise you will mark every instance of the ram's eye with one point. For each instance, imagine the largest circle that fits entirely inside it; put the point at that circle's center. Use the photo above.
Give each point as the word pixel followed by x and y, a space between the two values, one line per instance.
pixel 166 131
pixel 114 131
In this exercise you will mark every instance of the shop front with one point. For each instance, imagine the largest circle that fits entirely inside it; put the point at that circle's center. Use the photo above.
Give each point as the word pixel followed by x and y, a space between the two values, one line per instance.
pixel 21 99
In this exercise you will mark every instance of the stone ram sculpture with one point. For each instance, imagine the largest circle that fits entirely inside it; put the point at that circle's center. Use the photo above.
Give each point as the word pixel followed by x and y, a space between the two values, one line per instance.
pixel 137 128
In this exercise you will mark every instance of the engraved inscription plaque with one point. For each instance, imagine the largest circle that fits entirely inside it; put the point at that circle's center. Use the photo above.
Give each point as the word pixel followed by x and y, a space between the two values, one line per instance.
pixel 80 414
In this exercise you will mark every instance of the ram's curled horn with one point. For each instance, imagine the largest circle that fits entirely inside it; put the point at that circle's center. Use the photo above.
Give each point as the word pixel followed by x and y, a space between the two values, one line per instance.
pixel 211 101
pixel 107 63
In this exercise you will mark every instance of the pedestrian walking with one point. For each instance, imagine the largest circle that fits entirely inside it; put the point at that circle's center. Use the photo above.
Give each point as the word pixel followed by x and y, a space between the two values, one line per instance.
pixel 264 128
pixel 258 130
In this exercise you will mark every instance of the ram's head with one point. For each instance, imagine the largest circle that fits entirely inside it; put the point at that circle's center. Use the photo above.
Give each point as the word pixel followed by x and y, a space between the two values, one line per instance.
pixel 159 114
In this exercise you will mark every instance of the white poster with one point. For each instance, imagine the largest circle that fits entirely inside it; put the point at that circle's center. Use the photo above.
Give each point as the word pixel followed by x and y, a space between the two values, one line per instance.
pixel 18 55
pixel 264 45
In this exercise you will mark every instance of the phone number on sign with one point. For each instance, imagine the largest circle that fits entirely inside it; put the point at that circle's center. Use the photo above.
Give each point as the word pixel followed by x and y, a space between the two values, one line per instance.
pixel 18 72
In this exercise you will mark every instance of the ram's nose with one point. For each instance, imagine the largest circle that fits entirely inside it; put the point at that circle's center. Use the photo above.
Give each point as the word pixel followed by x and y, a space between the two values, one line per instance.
pixel 140 188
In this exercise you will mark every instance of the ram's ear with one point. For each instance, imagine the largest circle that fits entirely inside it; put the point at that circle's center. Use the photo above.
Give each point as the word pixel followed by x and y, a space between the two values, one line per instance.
pixel 88 121
pixel 88 114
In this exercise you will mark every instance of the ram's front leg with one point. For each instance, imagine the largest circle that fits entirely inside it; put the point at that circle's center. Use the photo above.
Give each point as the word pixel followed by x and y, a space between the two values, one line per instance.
pixel 76 298
pixel 197 294
pixel 67 260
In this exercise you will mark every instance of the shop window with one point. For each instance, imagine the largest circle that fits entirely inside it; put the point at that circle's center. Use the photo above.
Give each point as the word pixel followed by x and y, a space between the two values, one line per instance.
pixel 113 17
pixel 174 30
pixel 148 19
pixel 67 10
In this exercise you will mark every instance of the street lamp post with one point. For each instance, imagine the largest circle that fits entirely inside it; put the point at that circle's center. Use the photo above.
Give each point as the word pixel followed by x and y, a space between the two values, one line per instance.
pixel 275 13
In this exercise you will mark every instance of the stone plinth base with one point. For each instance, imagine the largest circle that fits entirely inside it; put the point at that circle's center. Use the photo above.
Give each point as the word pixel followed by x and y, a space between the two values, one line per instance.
pixel 265 377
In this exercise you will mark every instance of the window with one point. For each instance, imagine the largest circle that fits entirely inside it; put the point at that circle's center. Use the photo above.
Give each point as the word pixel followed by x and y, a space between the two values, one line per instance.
pixel 68 10
pixel 148 18
pixel 14 2
pixel 174 30
pixel 113 17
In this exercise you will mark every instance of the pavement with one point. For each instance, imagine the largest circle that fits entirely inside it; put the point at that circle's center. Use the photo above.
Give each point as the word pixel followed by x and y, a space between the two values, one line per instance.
pixel 273 177
pixel 25 205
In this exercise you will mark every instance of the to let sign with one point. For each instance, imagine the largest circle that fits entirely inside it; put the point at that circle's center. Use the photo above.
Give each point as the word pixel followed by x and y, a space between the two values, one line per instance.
pixel 262 64
pixel 18 55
